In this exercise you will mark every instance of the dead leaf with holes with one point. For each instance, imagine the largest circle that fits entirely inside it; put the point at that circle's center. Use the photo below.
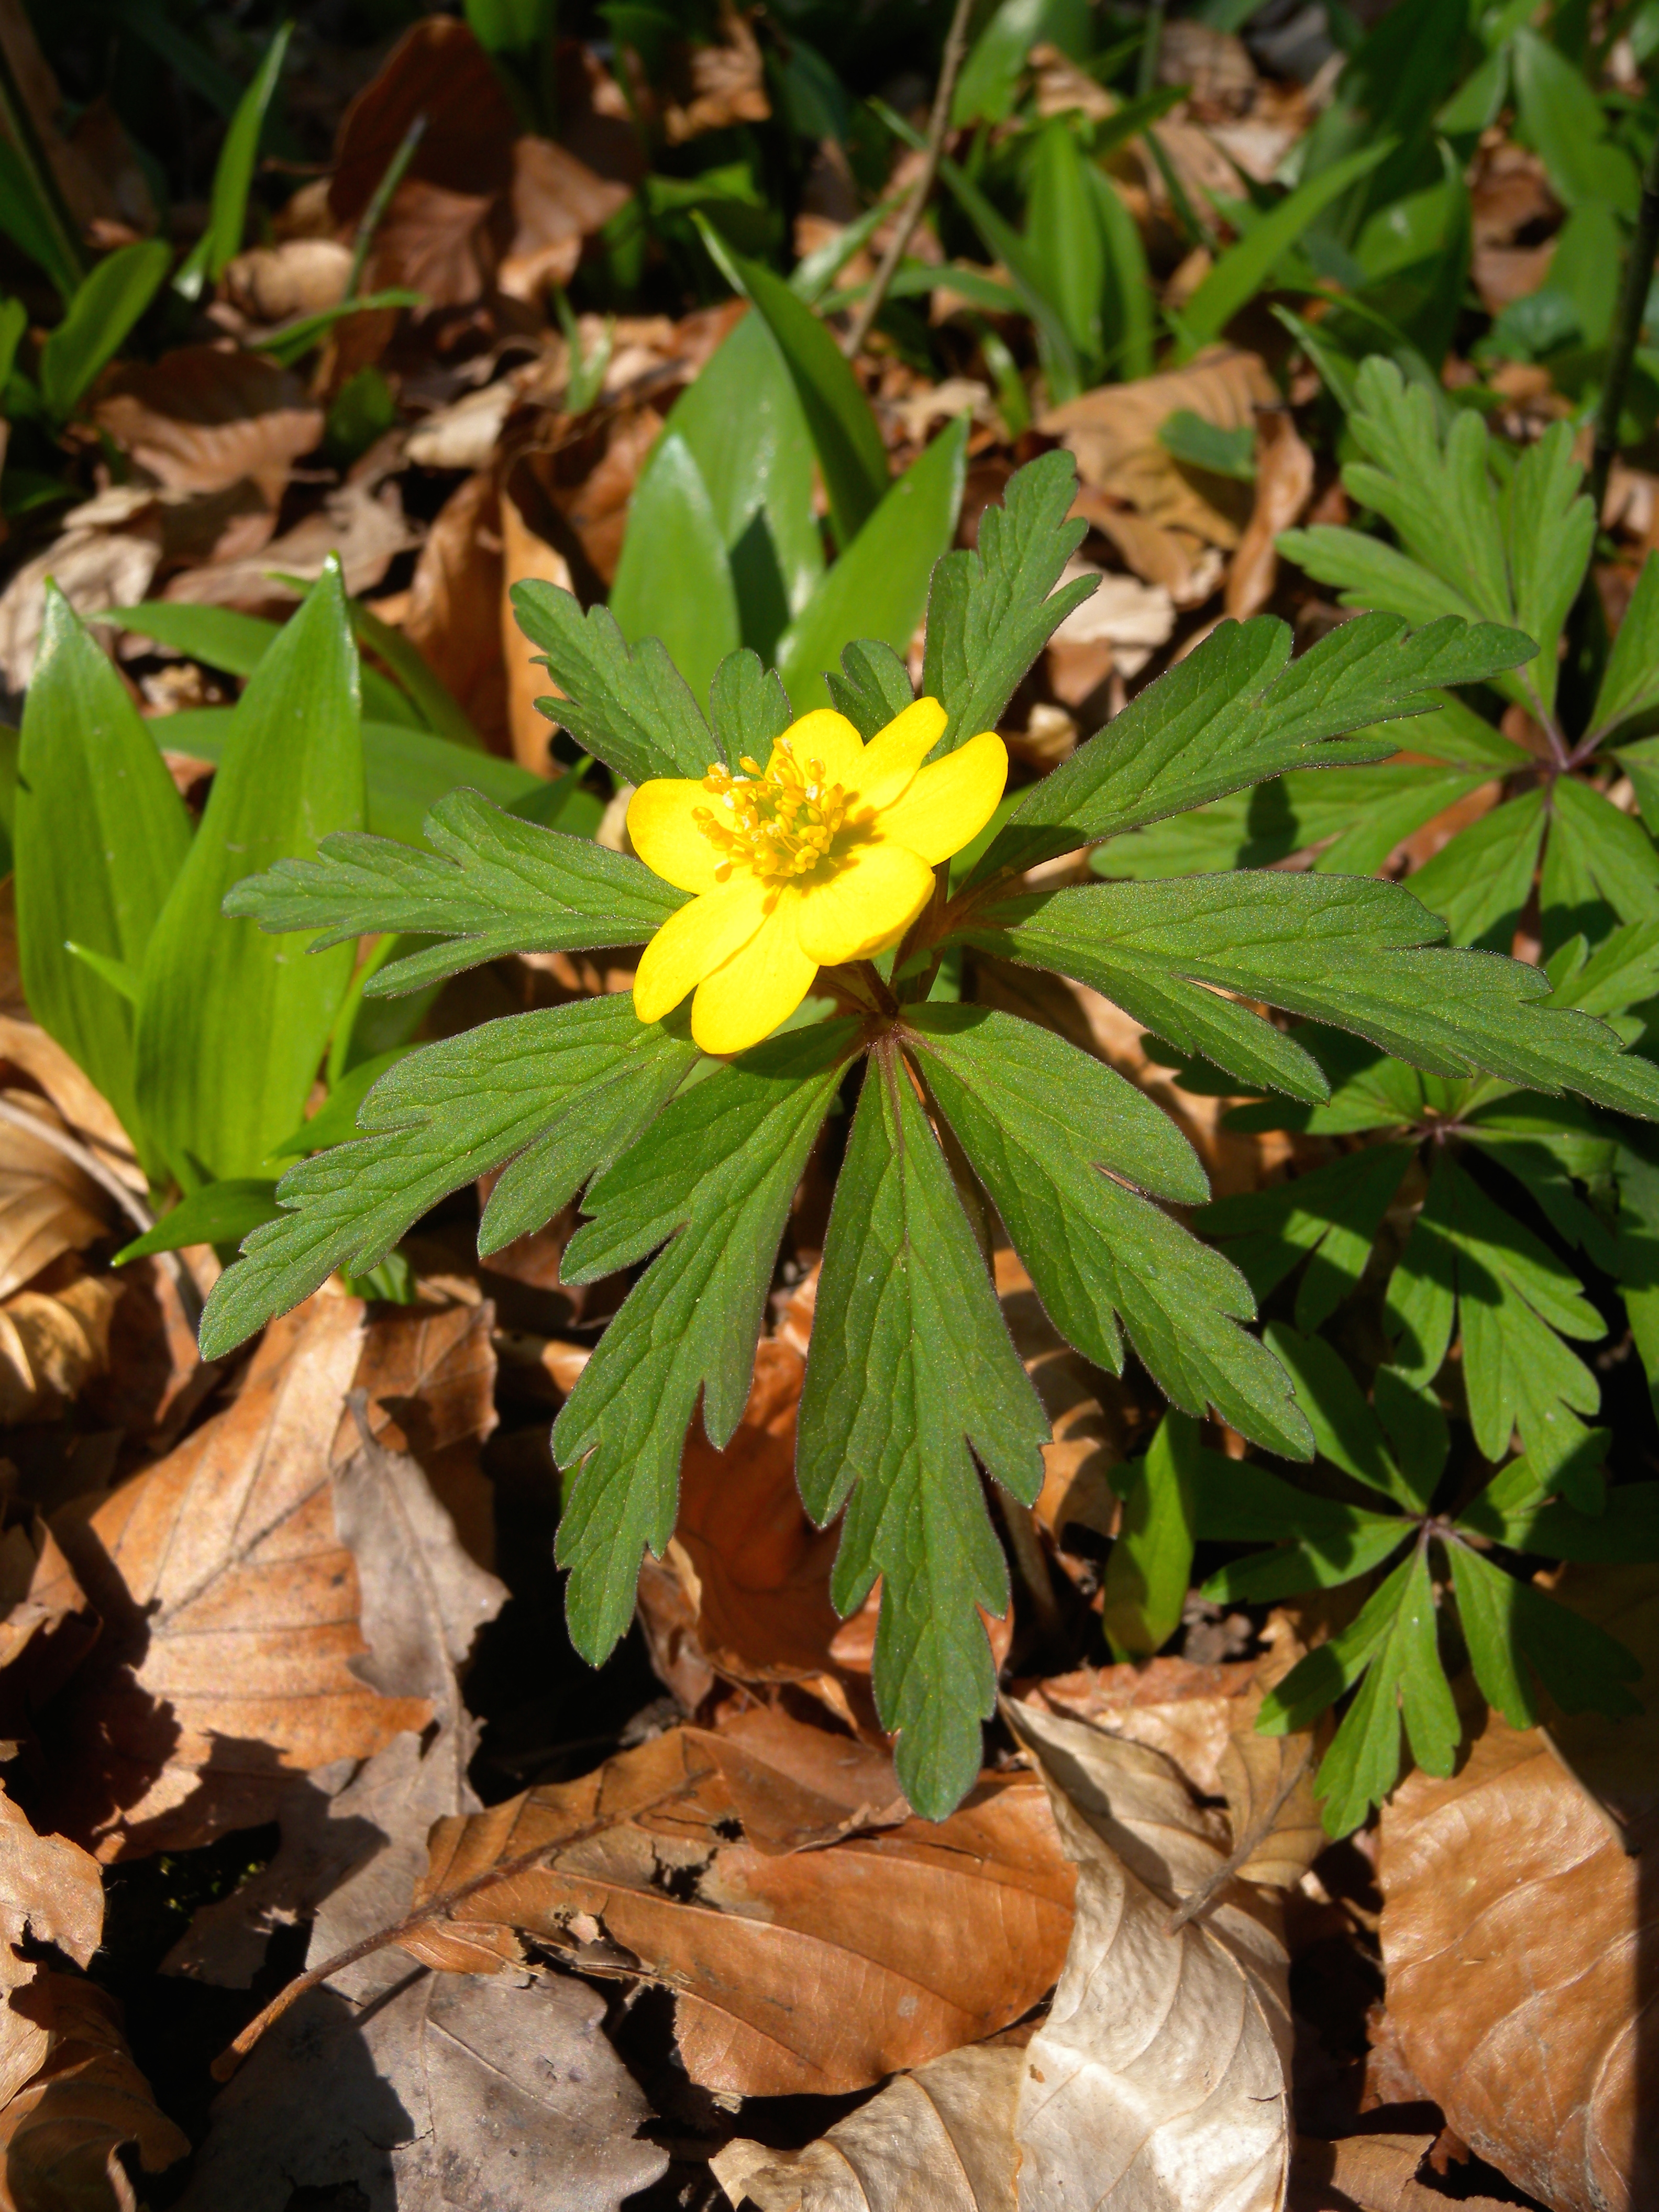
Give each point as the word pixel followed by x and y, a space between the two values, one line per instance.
pixel 62 2134
pixel 1521 1938
pixel 806 1970
pixel 52 1892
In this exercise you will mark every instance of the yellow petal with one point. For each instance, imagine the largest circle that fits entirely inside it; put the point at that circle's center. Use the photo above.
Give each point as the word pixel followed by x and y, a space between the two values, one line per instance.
pixel 872 898
pixel 694 940
pixel 748 995
pixel 666 838
pixel 950 801
pixel 826 736
pixel 893 754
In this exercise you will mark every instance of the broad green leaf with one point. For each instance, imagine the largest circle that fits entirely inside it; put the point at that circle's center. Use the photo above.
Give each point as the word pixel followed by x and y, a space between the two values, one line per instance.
pixel 512 27
pixel 1152 1560
pixel 233 176
pixel 911 1371
pixel 1514 1630
pixel 873 686
pixel 1039 1122
pixel 223 638
pixel 492 884
pixel 1063 238
pixel 1630 682
pixel 989 82
pixel 106 305
pixel 712 1187
pixel 1615 854
pixel 32 223
pixel 744 424
pixel 844 432
pixel 673 581
pixel 1330 1218
pixel 101 836
pixel 218 1213
pixel 1346 1431
pixel 878 587
pixel 434 703
pixel 572 1083
pixel 992 610
pixel 1479 881
pixel 632 710
pixel 1244 268
pixel 231 1027
pixel 335 1121
pixel 1562 119
pixel 1237 711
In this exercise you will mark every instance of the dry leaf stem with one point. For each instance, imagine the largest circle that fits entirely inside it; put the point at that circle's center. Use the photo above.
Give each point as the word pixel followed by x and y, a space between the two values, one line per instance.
pixel 1242 1850
pixel 436 1908
pixel 863 315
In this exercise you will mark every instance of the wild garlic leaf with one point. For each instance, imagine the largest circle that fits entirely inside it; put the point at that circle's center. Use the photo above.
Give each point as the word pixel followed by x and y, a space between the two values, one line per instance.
pixel 992 610
pixel 494 885
pixel 1342 949
pixel 1329 1218
pixel 712 1187
pixel 1239 710
pixel 911 1376
pixel 628 707
pixel 1039 1121
pixel 438 1119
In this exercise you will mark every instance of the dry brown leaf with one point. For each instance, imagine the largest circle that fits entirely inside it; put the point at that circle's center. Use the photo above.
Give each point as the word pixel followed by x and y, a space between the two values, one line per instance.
pixel 1369 2173
pixel 717 83
pixel 93 165
pixel 438 70
pixel 429 1378
pixel 297 277
pixel 1179 560
pixel 1284 485
pixel 231 1612
pixel 525 557
pixel 436 242
pixel 24 1046
pixel 1159 2082
pixel 1521 1946
pixel 61 2136
pixel 48 1204
pixel 365 526
pixel 1129 617
pixel 1113 432
pixel 53 1341
pixel 200 420
pixel 816 1970
pixel 93 566
pixel 52 1891
pixel 557 201
pixel 454 614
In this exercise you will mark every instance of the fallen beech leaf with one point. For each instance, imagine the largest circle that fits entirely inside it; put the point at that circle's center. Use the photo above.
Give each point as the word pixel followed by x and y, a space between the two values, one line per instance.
pixel 50 1890
pixel 436 242
pixel 557 201
pixel 30 1558
pixel 231 1612
pixel 455 595
pixel 438 70
pixel 48 1205
pixel 367 528
pixel 155 1377
pixel 26 1048
pixel 1113 432
pixel 298 276
pixel 1284 485
pixel 938 2139
pixel 1160 2078
pixel 1130 617
pixel 1369 2173
pixel 525 557
pixel 198 420
pixel 429 1380
pixel 716 84
pixel 52 1342
pixel 818 1970
pixel 61 2136
pixel 1521 1946
pixel 94 568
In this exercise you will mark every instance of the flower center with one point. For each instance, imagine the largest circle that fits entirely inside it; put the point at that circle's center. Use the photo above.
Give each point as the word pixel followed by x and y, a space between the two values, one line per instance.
pixel 780 824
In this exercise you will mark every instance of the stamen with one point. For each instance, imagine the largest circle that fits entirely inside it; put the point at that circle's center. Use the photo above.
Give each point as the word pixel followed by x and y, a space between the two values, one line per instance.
pixel 781 825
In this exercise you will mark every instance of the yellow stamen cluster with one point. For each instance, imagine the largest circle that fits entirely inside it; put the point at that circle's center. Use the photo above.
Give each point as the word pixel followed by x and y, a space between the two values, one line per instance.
pixel 780 824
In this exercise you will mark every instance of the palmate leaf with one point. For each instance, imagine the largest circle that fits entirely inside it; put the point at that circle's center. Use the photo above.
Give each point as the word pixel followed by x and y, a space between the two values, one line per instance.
pixel 911 1366
pixel 1039 1120
pixel 493 884
pixel 1237 711
pixel 712 1188
pixel 1345 950
pixel 629 708
pixel 582 1080
pixel 1329 1218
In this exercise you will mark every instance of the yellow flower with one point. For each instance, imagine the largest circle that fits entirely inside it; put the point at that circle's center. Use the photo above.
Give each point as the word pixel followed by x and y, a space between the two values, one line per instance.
pixel 826 854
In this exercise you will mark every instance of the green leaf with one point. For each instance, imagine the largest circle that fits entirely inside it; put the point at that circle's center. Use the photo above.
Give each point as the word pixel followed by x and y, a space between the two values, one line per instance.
pixel 231 1028
pixel 844 432
pixel 101 836
pixel 1550 529
pixel 1561 117
pixel 748 706
pixel 223 638
pixel 233 177
pixel 1039 1120
pixel 1246 267
pixel 1613 856
pixel 1131 315
pixel 1314 1563
pixel 992 610
pixel 492 884
pixel 743 423
pixel 989 83
pixel 1630 682
pixel 878 587
pixel 1330 1217
pixel 1479 881
pixel 30 222
pixel 219 1214
pixel 1339 948
pixel 1063 238
pixel 1152 1560
pixel 1204 445
pixel 873 687
pixel 911 1371
pixel 713 1187
pixel 434 702
pixel 1514 1630
pixel 673 581
pixel 106 305
pixel 1234 712
pixel 1346 1431
pixel 631 710
pixel 1625 1530
pixel 571 1084
pixel 335 1121
pixel 1417 1429
pixel 1637 1177
pixel 291 343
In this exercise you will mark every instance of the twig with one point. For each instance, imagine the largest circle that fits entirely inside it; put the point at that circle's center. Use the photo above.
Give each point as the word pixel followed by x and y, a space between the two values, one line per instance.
pixel 1201 1899
pixel 374 214
pixel 436 1908
pixel 84 1159
pixel 1621 351
pixel 956 47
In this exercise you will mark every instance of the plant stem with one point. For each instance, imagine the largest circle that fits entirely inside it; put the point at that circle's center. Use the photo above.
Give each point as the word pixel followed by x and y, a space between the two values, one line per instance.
pixel 956 47
pixel 375 213
pixel 1621 351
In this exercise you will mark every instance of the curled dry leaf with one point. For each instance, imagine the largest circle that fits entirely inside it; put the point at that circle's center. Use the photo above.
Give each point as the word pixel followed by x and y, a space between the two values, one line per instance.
pixel 231 1613
pixel 428 1380
pixel 48 1204
pixel 62 2136
pixel 200 420
pixel 437 69
pixel 93 566
pixel 1369 2173
pixel 1520 1945
pixel 365 526
pixel 557 201
pixel 54 1340
pixel 296 277
pixel 816 1970
pixel 52 1891
pixel 1284 485
pixel 26 1050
